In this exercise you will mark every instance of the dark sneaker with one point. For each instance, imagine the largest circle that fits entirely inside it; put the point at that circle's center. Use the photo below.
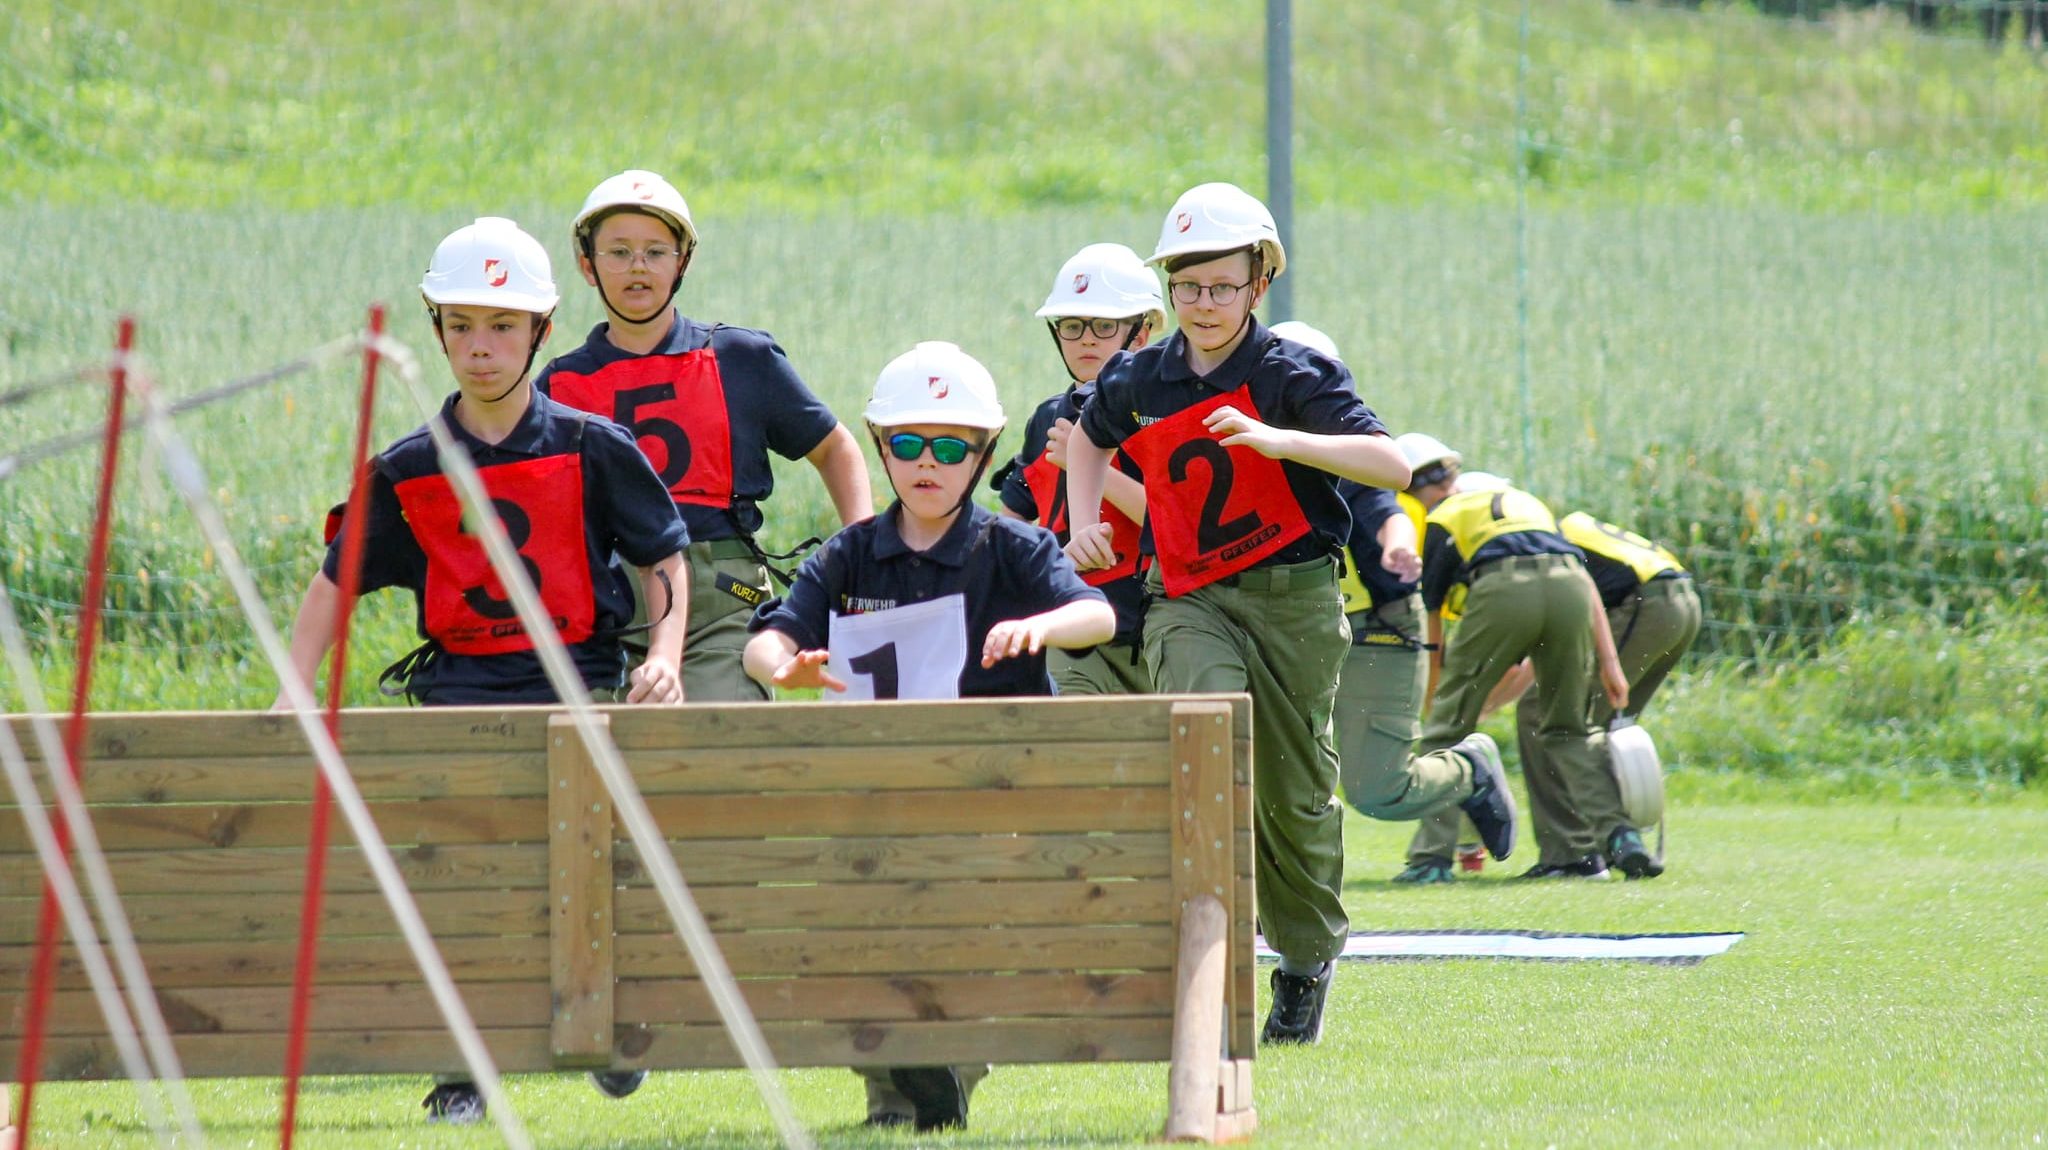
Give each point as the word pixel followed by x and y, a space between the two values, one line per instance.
pixel 1625 848
pixel 1592 867
pixel 617 1083
pixel 454 1104
pixel 1491 805
pixel 936 1091
pixel 1427 869
pixel 1297 1014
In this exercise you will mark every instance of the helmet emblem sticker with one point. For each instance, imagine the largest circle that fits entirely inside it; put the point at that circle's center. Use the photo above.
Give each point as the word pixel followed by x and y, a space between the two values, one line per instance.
pixel 938 385
pixel 1183 221
pixel 495 273
pixel 1081 283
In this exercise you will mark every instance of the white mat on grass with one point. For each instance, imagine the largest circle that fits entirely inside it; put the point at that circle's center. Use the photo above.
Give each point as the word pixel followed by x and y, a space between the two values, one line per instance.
pixel 1682 949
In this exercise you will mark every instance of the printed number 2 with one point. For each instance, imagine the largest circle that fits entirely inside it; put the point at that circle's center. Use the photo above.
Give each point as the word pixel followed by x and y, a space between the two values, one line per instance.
pixel 879 665
pixel 518 528
pixel 1211 533
pixel 673 439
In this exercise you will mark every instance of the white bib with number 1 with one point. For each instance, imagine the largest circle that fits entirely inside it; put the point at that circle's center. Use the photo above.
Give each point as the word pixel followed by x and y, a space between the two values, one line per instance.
pixel 914 652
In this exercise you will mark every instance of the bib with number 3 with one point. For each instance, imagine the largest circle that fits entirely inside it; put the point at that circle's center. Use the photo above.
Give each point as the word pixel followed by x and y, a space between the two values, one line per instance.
pixel 914 652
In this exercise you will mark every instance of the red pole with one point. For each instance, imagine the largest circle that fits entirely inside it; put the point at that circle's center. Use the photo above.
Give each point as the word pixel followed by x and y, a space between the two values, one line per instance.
pixel 323 799
pixel 40 976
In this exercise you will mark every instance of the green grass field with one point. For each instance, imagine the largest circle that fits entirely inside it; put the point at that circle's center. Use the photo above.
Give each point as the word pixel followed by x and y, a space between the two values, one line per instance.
pixel 1892 990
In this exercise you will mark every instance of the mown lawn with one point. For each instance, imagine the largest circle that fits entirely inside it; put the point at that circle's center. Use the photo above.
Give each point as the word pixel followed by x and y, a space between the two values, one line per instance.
pixel 1892 990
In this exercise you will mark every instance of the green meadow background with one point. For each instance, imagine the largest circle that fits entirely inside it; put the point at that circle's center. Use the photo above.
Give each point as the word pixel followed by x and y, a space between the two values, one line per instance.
pixel 1767 288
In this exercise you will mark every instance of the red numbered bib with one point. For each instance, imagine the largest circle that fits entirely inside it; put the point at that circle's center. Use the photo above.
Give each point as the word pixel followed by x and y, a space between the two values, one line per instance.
pixel 675 407
pixel 1214 510
pixel 540 502
pixel 1048 484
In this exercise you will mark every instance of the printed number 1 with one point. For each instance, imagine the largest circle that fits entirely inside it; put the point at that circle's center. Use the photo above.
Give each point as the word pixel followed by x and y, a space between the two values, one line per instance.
pixel 676 443
pixel 879 665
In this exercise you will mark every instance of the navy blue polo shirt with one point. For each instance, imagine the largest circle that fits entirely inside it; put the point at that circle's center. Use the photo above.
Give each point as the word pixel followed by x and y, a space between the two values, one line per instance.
pixel 1004 568
pixel 767 407
pixel 1370 508
pixel 1293 387
pixel 625 512
pixel 1126 596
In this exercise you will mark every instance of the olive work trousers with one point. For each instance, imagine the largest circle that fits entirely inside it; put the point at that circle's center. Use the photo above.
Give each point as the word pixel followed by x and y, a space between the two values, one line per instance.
pixel 1379 711
pixel 1277 633
pixel 1108 669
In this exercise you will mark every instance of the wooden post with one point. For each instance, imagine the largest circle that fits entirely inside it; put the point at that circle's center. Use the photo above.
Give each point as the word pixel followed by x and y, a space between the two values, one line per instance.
pixel 1204 892
pixel 579 900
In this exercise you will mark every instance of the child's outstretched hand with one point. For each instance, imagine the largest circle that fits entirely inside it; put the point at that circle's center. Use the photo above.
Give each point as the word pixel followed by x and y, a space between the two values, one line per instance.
pixel 1090 549
pixel 655 681
pixel 807 669
pixel 1403 563
pixel 1236 429
pixel 1056 442
pixel 1013 637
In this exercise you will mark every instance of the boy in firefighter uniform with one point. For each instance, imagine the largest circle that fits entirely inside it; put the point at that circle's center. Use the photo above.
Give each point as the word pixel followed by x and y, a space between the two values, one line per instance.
pixel 1103 301
pixel 935 598
pixel 1241 437
pixel 707 403
pixel 572 492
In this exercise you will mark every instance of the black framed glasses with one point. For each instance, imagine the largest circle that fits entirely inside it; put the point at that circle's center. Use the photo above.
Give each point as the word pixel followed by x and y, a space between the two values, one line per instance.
pixel 908 445
pixel 1187 292
pixel 1071 327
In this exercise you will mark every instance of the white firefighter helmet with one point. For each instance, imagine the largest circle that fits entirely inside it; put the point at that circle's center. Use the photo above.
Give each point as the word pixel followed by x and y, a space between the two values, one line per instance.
pixel 935 382
pixel 1481 481
pixel 1306 336
pixel 642 191
pixel 1220 218
pixel 1105 281
pixel 491 263
pixel 1638 772
pixel 1422 450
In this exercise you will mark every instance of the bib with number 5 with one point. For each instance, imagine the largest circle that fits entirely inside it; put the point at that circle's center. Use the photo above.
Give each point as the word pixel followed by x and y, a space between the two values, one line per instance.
pixel 914 652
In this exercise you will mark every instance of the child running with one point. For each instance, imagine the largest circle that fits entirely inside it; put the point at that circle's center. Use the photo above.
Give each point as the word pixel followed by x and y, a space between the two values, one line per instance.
pixel 1241 438
pixel 935 598
pixel 1103 301
pixel 572 492
pixel 707 403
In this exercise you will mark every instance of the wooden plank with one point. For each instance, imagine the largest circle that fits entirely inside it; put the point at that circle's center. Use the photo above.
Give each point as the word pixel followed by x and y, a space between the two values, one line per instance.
pixel 488 730
pixel 579 900
pixel 354 960
pixel 1053 902
pixel 980 764
pixel 282 869
pixel 526 1050
pixel 751 954
pixel 289 777
pixel 1204 862
pixel 932 857
pixel 222 826
pixel 1192 1089
pixel 233 916
pixel 761 954
pixel 908 812
pixel 828 998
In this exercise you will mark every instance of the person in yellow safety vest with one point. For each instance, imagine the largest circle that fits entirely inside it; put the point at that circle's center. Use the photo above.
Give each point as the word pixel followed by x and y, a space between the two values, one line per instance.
pixel 1527 594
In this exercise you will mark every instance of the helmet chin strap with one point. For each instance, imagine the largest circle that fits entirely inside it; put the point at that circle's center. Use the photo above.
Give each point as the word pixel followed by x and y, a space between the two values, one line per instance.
pixel 540 336
pixel 987 452
pixel 675 285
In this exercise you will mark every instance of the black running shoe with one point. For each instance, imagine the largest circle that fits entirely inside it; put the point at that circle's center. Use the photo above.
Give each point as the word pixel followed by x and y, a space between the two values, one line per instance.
pixel 1297 1014
pixel 1491 805
pixel 617 1083
pixel 1626 850
pixel 1591 867
pixel 936 1092
pixel 454 1104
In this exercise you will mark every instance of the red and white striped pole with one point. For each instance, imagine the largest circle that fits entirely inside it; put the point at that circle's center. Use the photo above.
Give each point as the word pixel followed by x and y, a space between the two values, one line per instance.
pixel 323 799
pixel 40 975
